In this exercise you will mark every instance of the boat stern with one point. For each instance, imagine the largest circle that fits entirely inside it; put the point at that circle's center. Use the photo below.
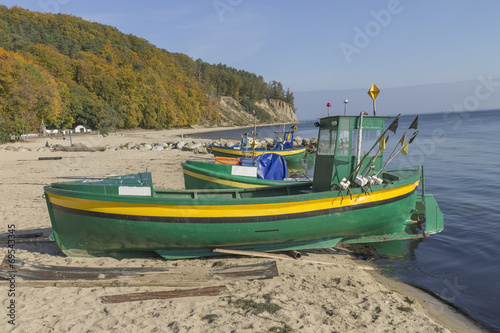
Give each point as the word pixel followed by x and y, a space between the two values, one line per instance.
pixel 427 210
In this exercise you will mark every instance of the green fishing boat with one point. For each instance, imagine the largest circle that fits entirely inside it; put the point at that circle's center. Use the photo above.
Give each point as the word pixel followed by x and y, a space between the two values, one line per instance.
pixel 248 148
pixel 290 155
pixel 351 200
pixel 265 170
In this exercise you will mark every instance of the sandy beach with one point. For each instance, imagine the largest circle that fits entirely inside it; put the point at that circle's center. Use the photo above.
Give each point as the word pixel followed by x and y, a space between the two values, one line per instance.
pixel 326 290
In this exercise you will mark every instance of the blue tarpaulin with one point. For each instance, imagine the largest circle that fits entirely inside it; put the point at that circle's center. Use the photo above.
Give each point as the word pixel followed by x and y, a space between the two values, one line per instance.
pixel 272 167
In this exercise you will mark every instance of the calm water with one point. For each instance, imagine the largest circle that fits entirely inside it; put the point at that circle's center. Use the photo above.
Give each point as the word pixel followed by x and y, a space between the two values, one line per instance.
pixel 461 155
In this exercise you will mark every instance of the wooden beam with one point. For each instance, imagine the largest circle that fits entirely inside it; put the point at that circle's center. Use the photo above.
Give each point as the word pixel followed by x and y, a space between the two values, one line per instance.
pixel 31 274
pixel 284 257
pixel 207 291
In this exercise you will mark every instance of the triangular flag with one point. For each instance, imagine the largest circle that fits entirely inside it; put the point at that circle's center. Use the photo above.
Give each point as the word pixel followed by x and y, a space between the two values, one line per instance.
pixel 414 124
pixel 394 126
pixel 381 143
pixel 404 150
pixel 413 137
pixel 402 141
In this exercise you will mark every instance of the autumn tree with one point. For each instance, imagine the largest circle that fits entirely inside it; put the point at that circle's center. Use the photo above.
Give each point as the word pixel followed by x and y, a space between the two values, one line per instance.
pixel 70 71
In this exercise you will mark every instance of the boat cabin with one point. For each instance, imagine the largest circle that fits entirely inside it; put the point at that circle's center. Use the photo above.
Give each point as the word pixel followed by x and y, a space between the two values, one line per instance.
pixel 342 143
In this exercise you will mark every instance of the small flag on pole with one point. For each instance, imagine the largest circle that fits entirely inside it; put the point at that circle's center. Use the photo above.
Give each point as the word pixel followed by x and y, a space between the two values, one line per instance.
pixel 414 124
pixel 413 137
pixel 404 150
pixel 394 126
pixel 381 143
pixel 402 141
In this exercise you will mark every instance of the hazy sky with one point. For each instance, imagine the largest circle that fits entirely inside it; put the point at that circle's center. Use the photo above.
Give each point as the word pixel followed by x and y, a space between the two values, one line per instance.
pixel 317 45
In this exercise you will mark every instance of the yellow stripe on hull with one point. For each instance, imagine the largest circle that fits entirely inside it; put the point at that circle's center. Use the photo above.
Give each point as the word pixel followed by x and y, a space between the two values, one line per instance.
pixel 230 210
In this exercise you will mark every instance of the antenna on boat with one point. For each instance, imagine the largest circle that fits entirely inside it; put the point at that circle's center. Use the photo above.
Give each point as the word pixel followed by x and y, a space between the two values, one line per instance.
pixel 254 142
pixel 328 106
pixel 345 105
pixel 360 136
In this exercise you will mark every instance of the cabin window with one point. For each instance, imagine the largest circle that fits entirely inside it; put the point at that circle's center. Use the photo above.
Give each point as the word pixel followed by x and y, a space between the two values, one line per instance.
pixel 343 148
pixel 369 138
pixel 327 141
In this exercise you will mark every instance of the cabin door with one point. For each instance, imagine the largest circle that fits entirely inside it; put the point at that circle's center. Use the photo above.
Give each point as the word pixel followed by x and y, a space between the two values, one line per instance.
pixel 333 157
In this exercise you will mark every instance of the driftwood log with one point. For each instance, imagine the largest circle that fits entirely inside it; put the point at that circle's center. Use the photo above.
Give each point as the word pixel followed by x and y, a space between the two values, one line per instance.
pixel 32 274
pixel 207 291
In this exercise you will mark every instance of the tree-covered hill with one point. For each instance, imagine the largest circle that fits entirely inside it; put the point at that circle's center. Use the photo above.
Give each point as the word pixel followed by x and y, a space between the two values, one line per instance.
pixel 67 70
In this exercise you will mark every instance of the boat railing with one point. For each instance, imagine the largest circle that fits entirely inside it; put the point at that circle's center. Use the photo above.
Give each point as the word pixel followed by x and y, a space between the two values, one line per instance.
pixel 417 167
pixel 207 194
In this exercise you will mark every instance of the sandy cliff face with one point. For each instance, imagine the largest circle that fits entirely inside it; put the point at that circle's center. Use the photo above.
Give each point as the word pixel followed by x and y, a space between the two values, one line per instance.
pixel 233 113
pixel 279 110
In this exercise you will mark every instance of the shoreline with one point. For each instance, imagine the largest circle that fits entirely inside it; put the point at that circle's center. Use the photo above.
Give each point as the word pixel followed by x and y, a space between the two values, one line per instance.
pixel 311 296
pixel 433 306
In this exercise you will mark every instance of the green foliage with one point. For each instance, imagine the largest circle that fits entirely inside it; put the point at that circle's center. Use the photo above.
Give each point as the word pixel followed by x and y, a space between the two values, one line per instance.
pixel 4 137
pixel 70 71
pixel 256 307
pixel 261 114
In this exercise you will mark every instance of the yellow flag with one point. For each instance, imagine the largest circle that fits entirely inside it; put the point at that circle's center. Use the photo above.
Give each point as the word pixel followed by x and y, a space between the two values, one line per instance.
pixel 404 150
pixel 402 141
pixel 381 143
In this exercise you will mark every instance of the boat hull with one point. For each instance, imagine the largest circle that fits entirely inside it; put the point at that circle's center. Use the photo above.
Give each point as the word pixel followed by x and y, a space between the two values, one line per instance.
pixel 192 223
pixel 204 175
pixel 290 155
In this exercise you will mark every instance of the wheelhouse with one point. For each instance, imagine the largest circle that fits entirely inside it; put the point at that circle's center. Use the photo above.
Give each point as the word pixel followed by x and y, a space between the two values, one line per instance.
pixel 342 143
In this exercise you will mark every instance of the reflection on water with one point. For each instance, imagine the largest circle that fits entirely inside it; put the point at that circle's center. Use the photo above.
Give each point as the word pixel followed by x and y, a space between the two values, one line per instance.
pixel 397 257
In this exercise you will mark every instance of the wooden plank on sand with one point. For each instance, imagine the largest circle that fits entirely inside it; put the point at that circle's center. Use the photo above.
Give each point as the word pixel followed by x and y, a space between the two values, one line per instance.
pixel 283 257
pixel 207 291
pixel 31 274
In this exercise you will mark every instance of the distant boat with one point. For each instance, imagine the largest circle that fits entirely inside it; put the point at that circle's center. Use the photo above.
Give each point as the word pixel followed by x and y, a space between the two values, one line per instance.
pixel 116 216
pixel 245 149
pixel 268 170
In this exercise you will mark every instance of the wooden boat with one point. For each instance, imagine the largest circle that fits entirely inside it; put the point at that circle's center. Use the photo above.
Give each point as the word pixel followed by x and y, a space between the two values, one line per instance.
pixel 290 155
pixel 210 175
pixel 284 147
pixel 126 214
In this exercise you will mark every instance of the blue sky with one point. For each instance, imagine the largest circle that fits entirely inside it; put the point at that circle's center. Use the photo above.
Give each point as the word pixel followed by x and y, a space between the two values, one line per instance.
pixel 330 46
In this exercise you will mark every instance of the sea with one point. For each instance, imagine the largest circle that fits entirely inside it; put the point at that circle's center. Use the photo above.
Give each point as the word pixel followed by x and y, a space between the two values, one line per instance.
pixel 460 152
